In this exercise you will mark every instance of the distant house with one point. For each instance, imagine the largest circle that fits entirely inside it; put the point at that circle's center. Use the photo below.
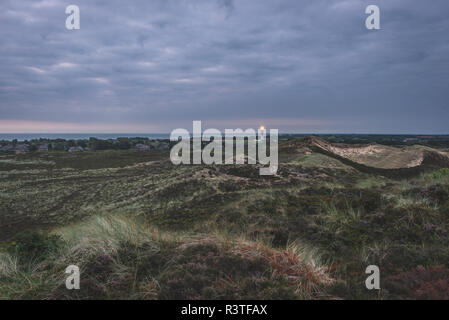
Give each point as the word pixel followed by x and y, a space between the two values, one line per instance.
pixel 21 148
pixel 164 146
pixel 43 147
pixel 7 148
pixel 76 149
pixel 158 145
pixel 142 147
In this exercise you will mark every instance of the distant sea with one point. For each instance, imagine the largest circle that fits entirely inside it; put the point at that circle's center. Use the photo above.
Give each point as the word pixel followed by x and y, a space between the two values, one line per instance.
pixel 85 136
pixel 152 136
pixel 80 136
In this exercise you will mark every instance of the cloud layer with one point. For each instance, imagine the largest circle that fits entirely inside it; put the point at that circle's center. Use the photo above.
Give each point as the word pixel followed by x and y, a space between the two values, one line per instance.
pixel 300 66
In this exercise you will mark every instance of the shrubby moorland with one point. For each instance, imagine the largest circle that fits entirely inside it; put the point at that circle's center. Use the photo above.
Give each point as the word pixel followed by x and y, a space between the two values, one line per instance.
pixel 141 228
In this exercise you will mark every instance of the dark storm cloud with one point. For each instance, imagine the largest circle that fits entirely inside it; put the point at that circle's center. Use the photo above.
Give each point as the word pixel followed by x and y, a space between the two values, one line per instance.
pixel 296 65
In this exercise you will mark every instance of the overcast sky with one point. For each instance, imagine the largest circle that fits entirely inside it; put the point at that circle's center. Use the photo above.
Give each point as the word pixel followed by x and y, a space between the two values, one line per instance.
pixel 156 65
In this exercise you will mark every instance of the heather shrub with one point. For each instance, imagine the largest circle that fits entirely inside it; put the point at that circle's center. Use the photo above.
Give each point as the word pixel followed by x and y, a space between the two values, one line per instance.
pixel 429 283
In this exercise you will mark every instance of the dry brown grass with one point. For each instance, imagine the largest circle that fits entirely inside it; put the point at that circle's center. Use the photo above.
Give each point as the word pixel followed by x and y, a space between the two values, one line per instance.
pixel 298 264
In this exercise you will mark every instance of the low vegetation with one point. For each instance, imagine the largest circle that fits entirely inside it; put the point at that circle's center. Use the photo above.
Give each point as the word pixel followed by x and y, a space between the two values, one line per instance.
pixel 141 228
pixel 122 257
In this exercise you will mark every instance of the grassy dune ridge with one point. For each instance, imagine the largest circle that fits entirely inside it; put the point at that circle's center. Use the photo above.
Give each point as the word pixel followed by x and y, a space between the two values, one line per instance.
pixel 121 257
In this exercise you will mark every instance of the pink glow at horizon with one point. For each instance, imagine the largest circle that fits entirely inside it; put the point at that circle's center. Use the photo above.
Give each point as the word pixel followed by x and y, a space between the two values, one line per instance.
pixel 29 126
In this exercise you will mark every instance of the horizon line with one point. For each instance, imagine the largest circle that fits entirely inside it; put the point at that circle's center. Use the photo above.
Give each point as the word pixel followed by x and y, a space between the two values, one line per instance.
pixel 168 133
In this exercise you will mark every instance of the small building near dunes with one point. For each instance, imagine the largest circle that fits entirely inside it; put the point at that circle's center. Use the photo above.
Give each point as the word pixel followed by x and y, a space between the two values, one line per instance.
pixel 7 148
pixel 22 148
pixel 43 147
pixel 142 147
pixel 159 145
pixel 76 149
